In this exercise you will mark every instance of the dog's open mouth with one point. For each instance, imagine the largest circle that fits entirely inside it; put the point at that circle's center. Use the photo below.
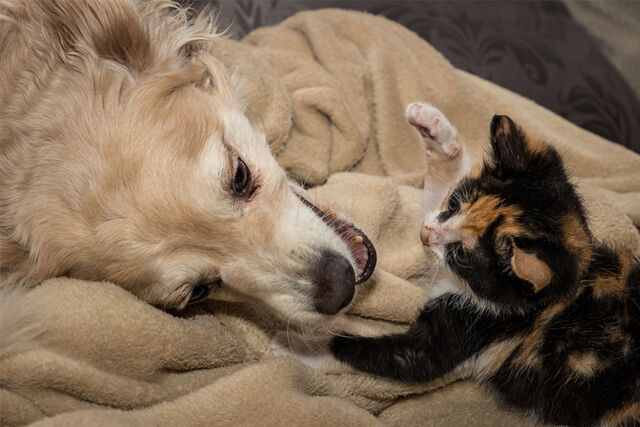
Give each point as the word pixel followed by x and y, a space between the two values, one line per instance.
pixel 361 248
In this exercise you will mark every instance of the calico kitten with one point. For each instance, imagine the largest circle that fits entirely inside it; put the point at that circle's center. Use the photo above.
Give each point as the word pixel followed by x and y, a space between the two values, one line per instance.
pixel 545 316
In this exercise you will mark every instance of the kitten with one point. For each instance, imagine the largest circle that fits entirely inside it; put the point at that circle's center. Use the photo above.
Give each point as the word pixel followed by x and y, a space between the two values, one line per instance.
pixel 545 316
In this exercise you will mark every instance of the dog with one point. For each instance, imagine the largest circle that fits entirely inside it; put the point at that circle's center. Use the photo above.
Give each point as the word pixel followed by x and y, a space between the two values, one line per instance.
pixel 126 156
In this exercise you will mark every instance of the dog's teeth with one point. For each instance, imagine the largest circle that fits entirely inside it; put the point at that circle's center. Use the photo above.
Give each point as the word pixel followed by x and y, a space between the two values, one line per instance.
pixel 357 239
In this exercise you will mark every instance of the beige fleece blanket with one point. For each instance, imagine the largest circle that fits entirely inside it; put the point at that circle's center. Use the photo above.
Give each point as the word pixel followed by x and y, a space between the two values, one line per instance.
pixel 329 89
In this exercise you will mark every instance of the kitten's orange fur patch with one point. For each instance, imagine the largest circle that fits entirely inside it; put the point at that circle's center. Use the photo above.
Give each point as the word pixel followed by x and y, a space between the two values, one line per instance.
pixel 535 145
pixel 607 284
pixel 629 412
pixel 477 216
pixel 532 341
pixel 577 239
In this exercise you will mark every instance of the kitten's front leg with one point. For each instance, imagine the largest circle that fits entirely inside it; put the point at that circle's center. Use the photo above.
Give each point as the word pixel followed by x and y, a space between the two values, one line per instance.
pixel 447 160
pixel 448 332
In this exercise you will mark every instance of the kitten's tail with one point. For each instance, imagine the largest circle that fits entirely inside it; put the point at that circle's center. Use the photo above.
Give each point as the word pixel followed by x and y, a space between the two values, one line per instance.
pixel 21 319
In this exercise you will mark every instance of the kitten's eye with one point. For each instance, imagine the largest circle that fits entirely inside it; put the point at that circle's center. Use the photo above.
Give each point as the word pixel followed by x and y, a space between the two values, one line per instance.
pixel 454 203
pixel 200 292
pixel 453 207
pixel 242 179
pixel 458 253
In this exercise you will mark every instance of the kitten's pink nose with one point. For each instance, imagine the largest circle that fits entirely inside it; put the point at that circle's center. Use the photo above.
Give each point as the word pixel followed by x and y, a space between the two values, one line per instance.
pixel 426 234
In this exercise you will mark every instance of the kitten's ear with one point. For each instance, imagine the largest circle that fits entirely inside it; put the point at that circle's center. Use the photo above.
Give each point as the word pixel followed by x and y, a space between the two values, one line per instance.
pixel 529 267
pixel 509 144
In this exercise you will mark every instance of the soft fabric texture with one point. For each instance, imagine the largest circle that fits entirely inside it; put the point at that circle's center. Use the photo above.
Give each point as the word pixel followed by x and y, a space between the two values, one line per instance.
pixel 329 89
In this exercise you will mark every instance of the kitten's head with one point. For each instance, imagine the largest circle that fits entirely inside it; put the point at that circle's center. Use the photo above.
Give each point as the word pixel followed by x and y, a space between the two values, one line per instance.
pixel 514 231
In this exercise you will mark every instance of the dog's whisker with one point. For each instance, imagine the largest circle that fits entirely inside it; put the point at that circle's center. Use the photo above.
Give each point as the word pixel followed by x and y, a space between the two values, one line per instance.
pixel 306 180
pixel 287 333
pixel 335 334
pixel 355 162
pixel 306 341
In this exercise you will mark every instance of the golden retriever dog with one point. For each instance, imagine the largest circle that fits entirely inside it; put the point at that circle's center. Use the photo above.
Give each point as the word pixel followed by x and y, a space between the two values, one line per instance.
pixel 125 156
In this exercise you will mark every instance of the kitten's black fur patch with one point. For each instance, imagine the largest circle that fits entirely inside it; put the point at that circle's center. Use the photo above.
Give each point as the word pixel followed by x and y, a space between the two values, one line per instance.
pixel 571 348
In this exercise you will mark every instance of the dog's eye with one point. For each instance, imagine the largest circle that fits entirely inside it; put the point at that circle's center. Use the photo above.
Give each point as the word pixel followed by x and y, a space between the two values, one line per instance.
pixel 200 292
pixel 242 179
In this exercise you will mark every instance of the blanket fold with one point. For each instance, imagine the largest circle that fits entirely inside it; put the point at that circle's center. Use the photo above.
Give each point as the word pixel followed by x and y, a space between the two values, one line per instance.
pixel 329 89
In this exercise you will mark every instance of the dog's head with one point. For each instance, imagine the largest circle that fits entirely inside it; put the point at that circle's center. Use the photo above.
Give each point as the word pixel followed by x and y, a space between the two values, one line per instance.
pixel 130 160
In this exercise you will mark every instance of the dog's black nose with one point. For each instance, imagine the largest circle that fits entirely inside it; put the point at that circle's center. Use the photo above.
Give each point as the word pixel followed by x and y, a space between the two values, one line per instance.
pixel 335 283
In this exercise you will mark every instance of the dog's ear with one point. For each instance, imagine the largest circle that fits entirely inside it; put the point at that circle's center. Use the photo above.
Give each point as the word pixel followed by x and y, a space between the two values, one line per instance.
pixel 120 36
pixel 128 34
pixel 111 29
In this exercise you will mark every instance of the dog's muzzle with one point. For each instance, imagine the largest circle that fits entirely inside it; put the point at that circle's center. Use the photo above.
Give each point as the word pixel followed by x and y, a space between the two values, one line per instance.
pixel 335 277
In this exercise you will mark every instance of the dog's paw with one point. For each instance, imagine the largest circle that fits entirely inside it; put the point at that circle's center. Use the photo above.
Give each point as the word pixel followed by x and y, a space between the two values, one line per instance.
pixel 436 130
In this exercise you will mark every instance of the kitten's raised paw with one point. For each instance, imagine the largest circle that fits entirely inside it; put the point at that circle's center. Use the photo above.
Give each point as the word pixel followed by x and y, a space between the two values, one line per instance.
pixel 436 130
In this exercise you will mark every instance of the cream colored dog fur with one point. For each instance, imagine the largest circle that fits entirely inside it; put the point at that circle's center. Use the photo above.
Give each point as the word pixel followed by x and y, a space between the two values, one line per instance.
pixel 126 156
